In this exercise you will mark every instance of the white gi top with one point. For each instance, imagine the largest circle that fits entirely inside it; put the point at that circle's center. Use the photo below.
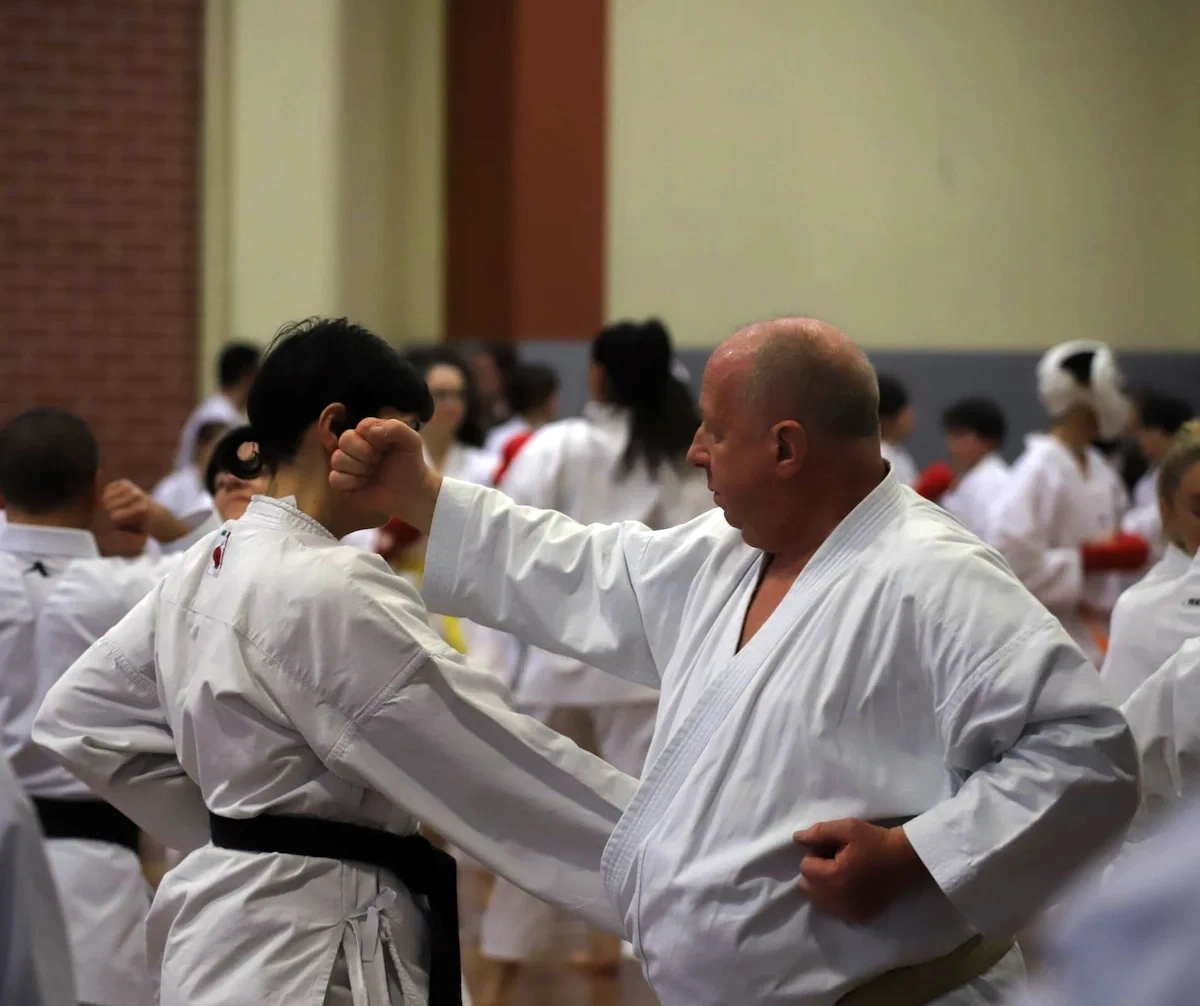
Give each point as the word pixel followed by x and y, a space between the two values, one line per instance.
pixel 216 408
pixel 300 676
pixel 1050 508
pixel 1144 516
pixel 1149 623
pixel 57 597
pixel 499 435
pixel 1164 714
pixel 906 672
pixel 573 466
pixel 34 954
pixel 183 493
pixel 973 497
pixel 901 461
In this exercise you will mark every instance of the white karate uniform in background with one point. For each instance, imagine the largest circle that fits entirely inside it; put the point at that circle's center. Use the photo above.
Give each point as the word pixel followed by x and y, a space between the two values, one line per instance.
pixel 906 672
pixel 573 466
pixel 1150 622
pixel 499 435
pixel 183 493
pixel 35 958
pixel 301 676
pixel 1144 516
pixel 973 496
pixel 1164 714
pixel 216 408
pixel 57 597
pixel 901 461
pixel 1050 508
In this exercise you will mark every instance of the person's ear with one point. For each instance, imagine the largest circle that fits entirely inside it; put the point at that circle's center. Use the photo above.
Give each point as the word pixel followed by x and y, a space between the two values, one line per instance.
pixel 791 446
pixel 331 424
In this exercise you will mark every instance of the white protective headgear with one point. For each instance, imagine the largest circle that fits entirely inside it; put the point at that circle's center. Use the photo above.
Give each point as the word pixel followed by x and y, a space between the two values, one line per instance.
pixel 1103 393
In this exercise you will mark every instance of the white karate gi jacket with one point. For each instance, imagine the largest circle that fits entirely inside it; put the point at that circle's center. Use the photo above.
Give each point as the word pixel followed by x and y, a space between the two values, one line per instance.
pixel 1144 516
pixel 1164 714
pixel 907 672
pixel 183 493
pixel 57 597
pixel 216 408
pixel 973 497
pixel 1048 511
pixel 1150 622
pixel 35 958
pixel 573 466
pixel 301 676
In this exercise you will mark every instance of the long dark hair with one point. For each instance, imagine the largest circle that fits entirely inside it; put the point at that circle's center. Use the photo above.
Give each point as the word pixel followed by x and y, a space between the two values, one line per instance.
pixel 636 358
pixel 425 358
pixel 312 364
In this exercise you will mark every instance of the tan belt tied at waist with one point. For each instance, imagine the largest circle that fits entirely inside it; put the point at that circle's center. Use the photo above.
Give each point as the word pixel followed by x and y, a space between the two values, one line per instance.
pixel 919 984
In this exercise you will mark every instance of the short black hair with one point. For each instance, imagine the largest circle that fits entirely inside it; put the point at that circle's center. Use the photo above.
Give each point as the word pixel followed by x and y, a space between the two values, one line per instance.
pixel 48 460
pixel 1163 412
pixel 237 361
pixel 980 416
pixel 893 396
pixel 530 386
pixel 312 364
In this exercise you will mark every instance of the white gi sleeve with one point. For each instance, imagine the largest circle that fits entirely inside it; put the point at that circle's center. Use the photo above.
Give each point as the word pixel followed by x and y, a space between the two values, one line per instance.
pixel 1020 531
pixel 35 960
pixel 609 595
pixel 1047 767
pixel 103 721
pixel 1164 714
pixel 410 719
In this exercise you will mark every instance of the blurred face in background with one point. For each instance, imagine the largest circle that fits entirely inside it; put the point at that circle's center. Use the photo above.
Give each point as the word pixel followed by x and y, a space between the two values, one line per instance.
pixel 448 386
pixel 231 495
pixel 489 382
pixel 1153 443
pixel 966 449
pixel 1181 513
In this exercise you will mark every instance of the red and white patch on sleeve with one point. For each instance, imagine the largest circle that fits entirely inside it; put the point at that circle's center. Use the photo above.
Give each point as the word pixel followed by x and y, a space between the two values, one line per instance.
pixel 218 554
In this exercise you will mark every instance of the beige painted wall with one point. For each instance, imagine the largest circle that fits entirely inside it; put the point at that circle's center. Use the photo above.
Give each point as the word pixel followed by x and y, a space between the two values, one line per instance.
pixel 928 173
pixel 322 167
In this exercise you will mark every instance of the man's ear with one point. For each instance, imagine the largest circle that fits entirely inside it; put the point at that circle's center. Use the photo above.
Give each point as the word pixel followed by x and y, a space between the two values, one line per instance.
pixel 791 446
pixel 331 424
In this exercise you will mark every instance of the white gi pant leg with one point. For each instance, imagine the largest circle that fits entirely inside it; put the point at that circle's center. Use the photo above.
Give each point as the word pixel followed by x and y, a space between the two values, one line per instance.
pixel 517 924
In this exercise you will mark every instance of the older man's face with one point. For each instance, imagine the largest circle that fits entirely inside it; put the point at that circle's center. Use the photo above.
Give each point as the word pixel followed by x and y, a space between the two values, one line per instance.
pixel 731 445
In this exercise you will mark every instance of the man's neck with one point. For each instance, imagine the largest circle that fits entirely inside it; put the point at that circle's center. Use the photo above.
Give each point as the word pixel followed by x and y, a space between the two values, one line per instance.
pixel 1073 440
pixel 799 540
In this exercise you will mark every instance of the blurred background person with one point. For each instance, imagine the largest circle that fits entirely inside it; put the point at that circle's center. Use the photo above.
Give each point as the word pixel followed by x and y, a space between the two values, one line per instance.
pixel 183 492
pixel 236 367
pixel 896 421
pixel 492 366
pixel 1155 616
pixel 532 393
pixel 1058 522
pixel 977 473
pixel 624 460
pixel 1156 420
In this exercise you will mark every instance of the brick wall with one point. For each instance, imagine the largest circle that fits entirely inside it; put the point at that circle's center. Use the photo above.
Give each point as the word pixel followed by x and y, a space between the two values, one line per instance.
pixel 99 147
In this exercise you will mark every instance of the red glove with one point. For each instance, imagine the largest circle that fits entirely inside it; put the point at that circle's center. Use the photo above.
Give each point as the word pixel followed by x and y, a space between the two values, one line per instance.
pixel 933 482
pixel 395 536
pixel 1122 553
pixel 508 452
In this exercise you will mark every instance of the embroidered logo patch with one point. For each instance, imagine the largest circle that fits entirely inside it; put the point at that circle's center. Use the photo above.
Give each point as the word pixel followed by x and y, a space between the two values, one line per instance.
pixel 218 554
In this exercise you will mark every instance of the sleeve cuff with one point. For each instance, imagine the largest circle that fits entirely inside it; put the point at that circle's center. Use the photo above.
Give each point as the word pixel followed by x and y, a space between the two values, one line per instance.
pixel 451 517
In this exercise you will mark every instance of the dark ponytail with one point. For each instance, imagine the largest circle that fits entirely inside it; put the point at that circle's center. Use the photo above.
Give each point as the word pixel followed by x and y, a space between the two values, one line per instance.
pixel 636 358
pixel 310 365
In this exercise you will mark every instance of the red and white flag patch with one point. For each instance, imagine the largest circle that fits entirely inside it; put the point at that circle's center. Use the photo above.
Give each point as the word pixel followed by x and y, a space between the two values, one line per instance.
pixel 218 553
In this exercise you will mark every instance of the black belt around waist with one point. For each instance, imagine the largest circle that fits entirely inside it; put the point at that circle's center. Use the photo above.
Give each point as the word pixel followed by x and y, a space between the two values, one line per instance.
pixel 412 859
pixel 93 820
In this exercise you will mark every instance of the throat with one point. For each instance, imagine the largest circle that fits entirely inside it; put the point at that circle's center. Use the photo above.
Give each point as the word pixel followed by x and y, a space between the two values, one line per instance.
pixel 772 587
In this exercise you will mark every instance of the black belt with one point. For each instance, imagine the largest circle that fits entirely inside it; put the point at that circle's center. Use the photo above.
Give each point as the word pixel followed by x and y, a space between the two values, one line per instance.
pixel 93 820
pixel 412 859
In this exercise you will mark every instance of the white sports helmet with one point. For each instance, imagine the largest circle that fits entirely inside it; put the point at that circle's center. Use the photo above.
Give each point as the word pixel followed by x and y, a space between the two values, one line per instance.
pixel 1101 388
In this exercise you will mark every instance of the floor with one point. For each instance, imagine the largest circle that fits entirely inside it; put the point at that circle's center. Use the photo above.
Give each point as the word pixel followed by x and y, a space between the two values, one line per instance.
pixel 549 980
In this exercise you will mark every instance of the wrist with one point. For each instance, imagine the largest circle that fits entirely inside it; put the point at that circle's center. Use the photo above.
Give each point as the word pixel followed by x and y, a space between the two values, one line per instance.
pixel 907 868
pixel 163 526
pixel 426 503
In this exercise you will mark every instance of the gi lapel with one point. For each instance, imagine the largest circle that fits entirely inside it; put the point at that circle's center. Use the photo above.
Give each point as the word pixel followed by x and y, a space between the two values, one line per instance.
pixel 665 777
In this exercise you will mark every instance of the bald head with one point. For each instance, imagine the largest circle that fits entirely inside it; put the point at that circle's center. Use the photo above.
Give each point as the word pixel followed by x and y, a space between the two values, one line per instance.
pixel 806 370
